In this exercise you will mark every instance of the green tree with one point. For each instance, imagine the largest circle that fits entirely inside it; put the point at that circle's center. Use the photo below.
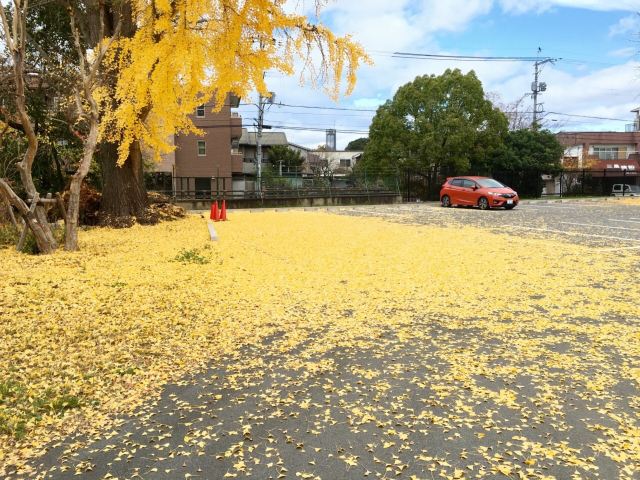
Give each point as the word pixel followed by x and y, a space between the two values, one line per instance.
pixel 49 60
pixel 525 156
pixel 436 121
pixel 285 156
pixel 530 150
pixel 357 145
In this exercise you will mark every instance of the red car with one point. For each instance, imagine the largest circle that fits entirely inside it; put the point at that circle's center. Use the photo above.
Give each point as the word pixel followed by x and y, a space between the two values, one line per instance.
pixel 480 192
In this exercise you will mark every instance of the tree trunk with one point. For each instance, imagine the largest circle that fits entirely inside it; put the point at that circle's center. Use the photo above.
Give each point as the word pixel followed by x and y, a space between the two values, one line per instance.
pixel 72 215
pixel 123 189
pixel 30 217
pixel 35 217
pixel 73 209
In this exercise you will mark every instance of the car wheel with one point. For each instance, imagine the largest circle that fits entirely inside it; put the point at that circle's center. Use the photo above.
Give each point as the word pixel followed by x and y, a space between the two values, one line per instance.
pixel 445 201
pixel 483 203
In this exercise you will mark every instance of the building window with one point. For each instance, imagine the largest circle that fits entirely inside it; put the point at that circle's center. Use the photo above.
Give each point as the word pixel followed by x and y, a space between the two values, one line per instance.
pixel 606 153
pixel 202 148
pixel 345 163
pixel 200 111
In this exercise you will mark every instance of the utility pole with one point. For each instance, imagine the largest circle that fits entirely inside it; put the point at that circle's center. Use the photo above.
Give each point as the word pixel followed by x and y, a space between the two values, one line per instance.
pixel 262 103
pixel 537 88
pixel 259 144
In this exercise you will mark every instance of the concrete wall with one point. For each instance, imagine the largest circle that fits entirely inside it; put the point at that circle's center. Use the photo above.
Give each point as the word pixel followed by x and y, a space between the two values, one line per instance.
pixel 295 202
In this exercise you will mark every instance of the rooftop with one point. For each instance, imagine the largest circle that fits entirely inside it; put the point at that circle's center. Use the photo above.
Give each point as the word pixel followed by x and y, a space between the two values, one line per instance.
pixel 268 138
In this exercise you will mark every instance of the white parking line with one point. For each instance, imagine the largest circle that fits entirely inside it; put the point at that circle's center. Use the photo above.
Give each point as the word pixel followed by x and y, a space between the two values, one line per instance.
pixel 624 221
pixel 581 234
pixel 540 205
pixel 600 226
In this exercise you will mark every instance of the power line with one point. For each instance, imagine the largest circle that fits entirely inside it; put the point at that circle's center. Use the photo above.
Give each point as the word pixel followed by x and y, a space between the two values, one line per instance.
pixel 465 58
pixel 590 116
pixel 321 129
pixel 318 114
pixel 346 109
pixel 506 112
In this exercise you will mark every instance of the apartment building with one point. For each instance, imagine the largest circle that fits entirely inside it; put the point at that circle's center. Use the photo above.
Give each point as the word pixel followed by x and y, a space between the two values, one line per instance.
pixel 602 150
pixel 210 163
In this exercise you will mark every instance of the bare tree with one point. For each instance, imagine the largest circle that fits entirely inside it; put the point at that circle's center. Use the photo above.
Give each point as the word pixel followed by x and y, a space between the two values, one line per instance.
pixel 520 114
pixel 34 215
pixel 321 166
pixel 88 116
pixel 517 112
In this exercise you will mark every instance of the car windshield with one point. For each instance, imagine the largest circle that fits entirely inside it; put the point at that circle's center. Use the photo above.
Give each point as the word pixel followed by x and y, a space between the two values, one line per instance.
pixel 490 183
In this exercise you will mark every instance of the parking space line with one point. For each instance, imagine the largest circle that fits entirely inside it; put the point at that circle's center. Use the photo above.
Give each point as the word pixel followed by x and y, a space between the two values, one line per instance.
pixel 624 221
pixel 539 205
pixel 581 234
pixel 600 226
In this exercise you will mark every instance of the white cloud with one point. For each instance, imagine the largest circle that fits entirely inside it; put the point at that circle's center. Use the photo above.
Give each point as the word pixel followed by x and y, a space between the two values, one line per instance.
pixel 627 25
pixel 610 92
pixel 452 15
pixel 625 52
pixel 384 26
pixel 522 6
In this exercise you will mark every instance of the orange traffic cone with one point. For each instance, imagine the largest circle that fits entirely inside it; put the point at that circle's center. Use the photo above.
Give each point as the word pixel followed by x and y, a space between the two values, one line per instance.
pixel 215 215
pixel 223 211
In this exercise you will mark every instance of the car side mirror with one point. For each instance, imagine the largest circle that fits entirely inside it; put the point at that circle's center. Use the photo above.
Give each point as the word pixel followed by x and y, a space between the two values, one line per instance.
pixel 475 187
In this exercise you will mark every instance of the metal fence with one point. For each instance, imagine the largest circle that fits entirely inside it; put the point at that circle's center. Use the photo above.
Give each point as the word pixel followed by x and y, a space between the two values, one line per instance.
pixel 411 184
pixel 425 185
pixel 290 186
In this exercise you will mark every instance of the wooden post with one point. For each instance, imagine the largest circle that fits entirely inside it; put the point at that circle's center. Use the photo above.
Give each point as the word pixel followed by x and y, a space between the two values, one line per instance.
pixel 23 235
pixel 12 216
pixel 61 208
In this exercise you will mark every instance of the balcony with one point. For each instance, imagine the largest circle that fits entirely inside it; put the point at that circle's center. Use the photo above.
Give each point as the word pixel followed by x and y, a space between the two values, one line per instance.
pixel 249 168
pixel 236 126
pixel 632 127
pixel 237 165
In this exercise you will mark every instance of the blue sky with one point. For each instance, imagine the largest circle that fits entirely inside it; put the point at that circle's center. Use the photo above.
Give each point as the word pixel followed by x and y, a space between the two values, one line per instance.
pixel 560 32
pixel 598 41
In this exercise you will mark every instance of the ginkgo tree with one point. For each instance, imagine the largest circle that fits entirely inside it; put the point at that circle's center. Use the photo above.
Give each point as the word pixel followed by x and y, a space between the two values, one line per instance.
pixel 142 66
pixel 173 55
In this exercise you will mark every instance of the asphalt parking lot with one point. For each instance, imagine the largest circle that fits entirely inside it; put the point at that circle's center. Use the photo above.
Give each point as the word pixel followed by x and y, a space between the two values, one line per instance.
pixel 539 380
pixel 607 225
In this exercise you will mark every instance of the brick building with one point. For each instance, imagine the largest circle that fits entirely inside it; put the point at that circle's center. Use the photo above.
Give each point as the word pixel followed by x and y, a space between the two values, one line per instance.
pixel 597 150
pixel 211 162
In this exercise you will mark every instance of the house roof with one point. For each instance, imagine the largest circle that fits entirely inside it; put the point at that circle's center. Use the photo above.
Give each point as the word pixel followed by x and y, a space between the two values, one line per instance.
pixel 300 147
pixel 337 154
pixel 268 138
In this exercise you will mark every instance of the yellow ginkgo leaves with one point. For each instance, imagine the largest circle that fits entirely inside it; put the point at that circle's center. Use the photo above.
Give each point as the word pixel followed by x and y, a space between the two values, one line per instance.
pixel 90 334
